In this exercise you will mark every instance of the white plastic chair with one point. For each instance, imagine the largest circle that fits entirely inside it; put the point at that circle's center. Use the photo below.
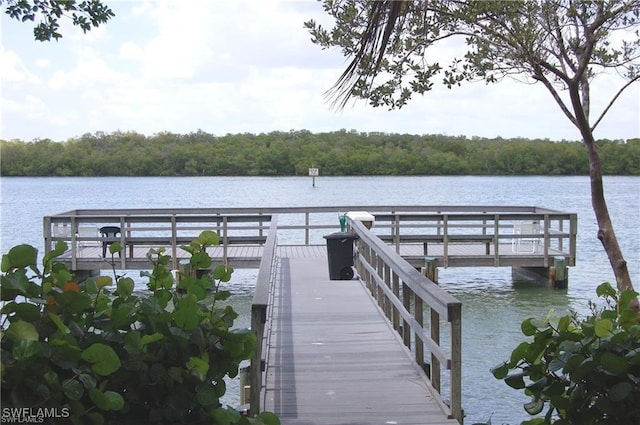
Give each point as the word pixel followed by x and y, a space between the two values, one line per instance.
pixel 526 243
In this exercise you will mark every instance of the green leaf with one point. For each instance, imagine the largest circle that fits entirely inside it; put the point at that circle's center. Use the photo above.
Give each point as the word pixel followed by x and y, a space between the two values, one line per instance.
pixel 22 330
pixel 225 416
pixel 620 391
pixel 125 286
pixel 515 381
pixel 75 302
pixel 555 365
pixel 520 352
pixel 87 380
pixel 198 367
pixel 200 260
pixel 14 284
pixel 102 281
pixel 115 247
pixel 208 238
pixel 186 314
pixel 563 323
pixel 73 389
pixel 107 400
pixel 534 407
pixel 133 342
pixel 603 327
pixel 20 256
pixel 206 396
pixel 528 328
pixel 538 386
pixel 268 418
pixel 614 364
pixel 148 339
pixel 223 273
pixel 24 349
pixel 24 311
pixel 584 369
pixel 605 290
pixel 501 371
pixel 104 361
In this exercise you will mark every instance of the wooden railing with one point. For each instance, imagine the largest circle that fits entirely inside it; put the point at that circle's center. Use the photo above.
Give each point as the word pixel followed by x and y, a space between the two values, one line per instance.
pixel 152 228
pixel 402 293
pixel 262 300
pixel 549 232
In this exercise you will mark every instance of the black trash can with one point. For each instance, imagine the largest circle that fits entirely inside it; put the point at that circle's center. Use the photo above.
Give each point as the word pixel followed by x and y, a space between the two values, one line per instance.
pixel 340 255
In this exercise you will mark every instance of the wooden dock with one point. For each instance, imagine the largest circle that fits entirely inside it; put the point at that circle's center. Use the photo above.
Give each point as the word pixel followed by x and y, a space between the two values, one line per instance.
pixel 334 359
pixel 382 348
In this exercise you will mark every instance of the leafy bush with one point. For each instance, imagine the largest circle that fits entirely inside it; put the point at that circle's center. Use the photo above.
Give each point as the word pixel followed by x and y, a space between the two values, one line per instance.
pixel 587 371
pixel 120 357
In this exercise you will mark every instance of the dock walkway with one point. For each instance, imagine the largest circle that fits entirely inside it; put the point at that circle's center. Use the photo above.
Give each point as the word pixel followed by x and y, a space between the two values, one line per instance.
pixel 334 359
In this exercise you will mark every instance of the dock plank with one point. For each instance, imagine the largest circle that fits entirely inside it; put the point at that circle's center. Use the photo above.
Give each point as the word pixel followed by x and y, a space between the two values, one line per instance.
pixel 334 359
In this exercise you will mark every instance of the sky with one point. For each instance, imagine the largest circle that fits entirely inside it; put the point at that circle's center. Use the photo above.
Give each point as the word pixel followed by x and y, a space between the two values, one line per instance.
pixel 229 67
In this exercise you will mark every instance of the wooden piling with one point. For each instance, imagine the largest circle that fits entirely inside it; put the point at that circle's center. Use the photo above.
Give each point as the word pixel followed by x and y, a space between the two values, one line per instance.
pixel 559 273
pixel 430 269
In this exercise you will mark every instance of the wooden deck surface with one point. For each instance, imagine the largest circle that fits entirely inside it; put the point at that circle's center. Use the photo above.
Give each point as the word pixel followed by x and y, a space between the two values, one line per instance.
pixel 333 358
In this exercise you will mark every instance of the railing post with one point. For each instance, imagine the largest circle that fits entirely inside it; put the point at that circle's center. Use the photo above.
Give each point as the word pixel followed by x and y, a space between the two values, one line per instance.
pixel 546 240
pixel 387 281
pixel 306 228
pixel 224 239
pixel 434 322
pixel 258 319
pixel 379 292
pixel 174 242
pixel 445 245
pixel 396 291
pixel 496 240
pixel 47 234
pixel 418 314
pixel 74 244
pixel 406 302
pixel 396 224
pixel 573 232
pixel 455 315
pixel 123 246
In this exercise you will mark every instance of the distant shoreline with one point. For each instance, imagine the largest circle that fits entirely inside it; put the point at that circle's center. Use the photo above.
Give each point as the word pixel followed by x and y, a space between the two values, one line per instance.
pixel 340 153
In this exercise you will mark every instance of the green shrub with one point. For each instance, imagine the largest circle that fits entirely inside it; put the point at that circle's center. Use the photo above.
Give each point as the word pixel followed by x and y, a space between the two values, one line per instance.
pixel 586 371
pixel 89 356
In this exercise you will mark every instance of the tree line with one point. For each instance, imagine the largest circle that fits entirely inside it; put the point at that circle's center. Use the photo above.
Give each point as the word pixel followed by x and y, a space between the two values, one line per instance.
pixel 293 153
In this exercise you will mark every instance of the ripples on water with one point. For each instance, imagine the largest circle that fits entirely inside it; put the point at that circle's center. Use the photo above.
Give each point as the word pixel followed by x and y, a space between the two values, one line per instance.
pixel 493 307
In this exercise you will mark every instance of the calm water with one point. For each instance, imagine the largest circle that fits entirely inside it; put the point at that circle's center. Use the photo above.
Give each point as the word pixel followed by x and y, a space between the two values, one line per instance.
pixel 493 308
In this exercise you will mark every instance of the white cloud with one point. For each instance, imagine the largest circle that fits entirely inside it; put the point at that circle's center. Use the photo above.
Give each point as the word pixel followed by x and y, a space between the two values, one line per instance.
pixel 239 66
pixel 13 69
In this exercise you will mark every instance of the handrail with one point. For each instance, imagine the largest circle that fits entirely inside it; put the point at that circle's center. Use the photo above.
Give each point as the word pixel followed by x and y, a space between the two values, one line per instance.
pixel 491 226
pixel 402 292
pixel 169 230
pixel 490 229
pixel 259 314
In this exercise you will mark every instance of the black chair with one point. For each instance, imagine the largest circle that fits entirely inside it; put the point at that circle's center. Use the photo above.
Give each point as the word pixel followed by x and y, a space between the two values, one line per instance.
pixel 108 232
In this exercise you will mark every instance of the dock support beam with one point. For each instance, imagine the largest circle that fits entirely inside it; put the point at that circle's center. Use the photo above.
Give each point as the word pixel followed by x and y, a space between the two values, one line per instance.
pixel 555 277
pixel 430 269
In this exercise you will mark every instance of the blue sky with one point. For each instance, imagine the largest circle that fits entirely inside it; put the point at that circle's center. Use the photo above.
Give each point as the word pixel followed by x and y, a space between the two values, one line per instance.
pixel 243 66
